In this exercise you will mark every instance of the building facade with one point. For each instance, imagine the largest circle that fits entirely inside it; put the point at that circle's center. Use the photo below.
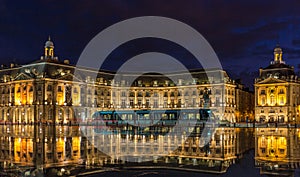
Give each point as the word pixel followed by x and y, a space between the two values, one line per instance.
pixel 48 90
pixel 277 92
pixel 276 150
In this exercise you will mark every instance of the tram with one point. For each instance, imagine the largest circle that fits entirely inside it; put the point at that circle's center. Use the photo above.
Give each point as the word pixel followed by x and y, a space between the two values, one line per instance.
pixel 147 121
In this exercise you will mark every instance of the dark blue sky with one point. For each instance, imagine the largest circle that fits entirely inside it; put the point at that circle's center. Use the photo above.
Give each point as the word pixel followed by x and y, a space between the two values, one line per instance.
pixel 243 33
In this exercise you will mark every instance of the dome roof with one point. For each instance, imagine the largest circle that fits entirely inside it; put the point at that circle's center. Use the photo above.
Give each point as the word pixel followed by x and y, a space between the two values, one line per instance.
pixel 49 43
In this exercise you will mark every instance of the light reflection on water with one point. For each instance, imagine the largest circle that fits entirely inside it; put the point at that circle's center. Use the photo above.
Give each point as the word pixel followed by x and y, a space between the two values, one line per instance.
pixel 275 150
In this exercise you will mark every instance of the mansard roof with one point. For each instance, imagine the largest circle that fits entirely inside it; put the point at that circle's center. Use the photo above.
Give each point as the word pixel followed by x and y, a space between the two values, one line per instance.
pixel 54 69
pixel 278 66
pixel 281 71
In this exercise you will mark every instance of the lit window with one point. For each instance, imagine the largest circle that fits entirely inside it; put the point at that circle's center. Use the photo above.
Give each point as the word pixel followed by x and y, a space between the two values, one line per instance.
pixel 263 101
pixel 281 101
pixel 272 100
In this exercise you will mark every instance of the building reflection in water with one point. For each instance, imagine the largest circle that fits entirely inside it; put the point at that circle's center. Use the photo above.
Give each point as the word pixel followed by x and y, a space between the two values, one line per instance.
pixel 54 145
pixel 277 150
pixel 39 145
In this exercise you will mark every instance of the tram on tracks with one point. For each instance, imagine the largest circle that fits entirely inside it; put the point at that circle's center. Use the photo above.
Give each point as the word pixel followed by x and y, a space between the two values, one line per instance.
pixel 146 122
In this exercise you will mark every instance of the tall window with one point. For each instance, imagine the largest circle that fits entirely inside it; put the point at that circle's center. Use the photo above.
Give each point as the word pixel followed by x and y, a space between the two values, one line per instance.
pixel 166 94
pixel 59 89
pixel 131 94
pixel 147 94
pixel 194 101
pixel 49 88
pixel 194 92
pixel 281 100
pixel 272 100
pixel 165 103
pixel 217 101
pixel 155 104
pixel 75 90
pixel 131 103
pixel 123 94
pixel 139 102
pixel 140 94
pixel 263 142
pixel 147 103
pixel 123 104
pixel 263 101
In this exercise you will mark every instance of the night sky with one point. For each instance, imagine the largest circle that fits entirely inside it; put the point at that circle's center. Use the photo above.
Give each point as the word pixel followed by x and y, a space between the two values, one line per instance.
pixel 242 33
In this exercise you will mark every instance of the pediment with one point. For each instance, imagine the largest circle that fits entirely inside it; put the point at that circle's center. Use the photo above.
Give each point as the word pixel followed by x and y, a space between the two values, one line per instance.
pixel 22 76
pixel 271 80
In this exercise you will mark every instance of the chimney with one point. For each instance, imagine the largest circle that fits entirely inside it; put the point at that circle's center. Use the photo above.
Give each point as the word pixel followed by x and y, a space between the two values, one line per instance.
pixel 260 71
pixel 66 62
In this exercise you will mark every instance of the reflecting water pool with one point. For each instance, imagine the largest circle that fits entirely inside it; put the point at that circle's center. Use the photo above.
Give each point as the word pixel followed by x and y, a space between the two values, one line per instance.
pixel 73 150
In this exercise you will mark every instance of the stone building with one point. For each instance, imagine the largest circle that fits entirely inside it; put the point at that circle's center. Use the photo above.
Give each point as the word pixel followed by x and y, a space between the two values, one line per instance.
pixel 49 91
pixel 41 104
pixel 277 92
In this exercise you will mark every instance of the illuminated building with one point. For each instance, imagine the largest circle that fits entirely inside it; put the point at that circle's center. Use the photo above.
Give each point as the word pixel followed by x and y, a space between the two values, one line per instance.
pixel 277 92
pixel 41 104
pixel 277 150
pixel 48 91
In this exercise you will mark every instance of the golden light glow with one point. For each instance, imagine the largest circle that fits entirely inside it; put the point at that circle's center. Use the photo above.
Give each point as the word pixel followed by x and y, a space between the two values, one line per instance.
pixel 22 149
pixel 60 145
pixel 60 95
pixel 272 147
pixel 76 147
pixel 272 95
pixel 76 96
